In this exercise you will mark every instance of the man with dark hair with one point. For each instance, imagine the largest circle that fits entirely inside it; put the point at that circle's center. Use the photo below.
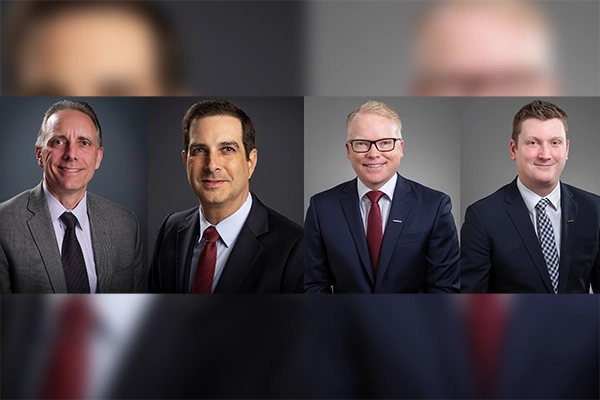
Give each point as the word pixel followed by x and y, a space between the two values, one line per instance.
pixel 57 237
pixel 232 243
pixel 536 234
pixel 90 48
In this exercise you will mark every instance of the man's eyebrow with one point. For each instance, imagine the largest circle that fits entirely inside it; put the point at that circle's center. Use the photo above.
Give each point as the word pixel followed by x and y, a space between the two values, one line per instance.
pixel 230 144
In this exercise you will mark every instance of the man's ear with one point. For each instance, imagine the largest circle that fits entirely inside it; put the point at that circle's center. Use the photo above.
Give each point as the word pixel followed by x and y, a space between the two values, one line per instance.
pixel 38 156
pixel 252 161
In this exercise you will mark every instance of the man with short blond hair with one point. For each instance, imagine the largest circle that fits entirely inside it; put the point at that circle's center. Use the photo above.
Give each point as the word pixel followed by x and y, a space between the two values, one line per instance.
pixel 380 232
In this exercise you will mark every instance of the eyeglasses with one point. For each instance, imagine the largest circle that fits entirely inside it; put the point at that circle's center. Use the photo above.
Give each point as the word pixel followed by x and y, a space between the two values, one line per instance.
pixel 363 146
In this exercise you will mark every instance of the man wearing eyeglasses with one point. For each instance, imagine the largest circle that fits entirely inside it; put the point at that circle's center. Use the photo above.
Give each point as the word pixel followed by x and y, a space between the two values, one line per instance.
pixel 380 232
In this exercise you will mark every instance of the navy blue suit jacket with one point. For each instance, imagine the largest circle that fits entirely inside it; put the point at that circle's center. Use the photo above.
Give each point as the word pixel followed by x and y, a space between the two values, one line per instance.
pixel 267 258
pixel 501 252
pixel 419 252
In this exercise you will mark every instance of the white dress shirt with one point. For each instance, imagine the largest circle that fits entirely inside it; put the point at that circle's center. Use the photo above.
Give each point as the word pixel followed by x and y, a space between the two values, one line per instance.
pixel 229 229
pixel 553 210
pixel 385 203
pixel 82 231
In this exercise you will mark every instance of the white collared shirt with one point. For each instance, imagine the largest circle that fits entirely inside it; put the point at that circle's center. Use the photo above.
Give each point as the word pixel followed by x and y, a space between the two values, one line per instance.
pixel 82 231
pixel 553 210
pixel 385 203
pixel 229 229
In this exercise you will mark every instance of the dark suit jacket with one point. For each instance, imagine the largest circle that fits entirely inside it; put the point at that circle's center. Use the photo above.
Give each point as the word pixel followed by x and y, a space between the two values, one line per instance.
pixel 501 252
pixel 30 259
pixel 419 252
pixel 267 257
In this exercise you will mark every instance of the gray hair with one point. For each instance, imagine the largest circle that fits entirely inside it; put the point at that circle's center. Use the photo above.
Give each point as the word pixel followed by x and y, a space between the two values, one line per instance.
pixel 69 105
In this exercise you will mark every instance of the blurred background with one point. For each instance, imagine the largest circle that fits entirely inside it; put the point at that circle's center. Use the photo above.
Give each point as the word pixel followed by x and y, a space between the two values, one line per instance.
pixel 152 48
pixel 316 48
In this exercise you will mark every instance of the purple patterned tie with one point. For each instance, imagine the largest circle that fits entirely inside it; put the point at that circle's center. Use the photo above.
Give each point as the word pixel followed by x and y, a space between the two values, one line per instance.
pixel 72 258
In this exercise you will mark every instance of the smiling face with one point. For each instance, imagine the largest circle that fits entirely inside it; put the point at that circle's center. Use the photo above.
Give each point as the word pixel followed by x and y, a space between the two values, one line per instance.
pixel 70 155
pixel 540 154
pixel 374 168
pixel 217 167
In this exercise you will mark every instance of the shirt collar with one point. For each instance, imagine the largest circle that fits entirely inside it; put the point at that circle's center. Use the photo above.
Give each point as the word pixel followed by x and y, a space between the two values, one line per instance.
pixel 230 227
pixel 531 198
pixel 57 209
pixel 387 189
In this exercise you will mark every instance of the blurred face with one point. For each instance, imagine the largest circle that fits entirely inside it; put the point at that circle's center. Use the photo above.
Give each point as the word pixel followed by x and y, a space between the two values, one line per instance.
pixel 484 49
pixel 374 168
pixel 540 154
pixel 95 52
pixel 216 165
pixel 70 154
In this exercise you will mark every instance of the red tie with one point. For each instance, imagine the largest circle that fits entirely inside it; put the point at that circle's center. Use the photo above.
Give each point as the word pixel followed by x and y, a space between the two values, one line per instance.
pixel 68 365
pixel 205 270
pixel 374 229
pixel 487 314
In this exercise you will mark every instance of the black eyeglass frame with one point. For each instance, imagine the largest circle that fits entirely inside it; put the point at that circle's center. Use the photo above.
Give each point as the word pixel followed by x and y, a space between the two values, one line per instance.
pixel 371 143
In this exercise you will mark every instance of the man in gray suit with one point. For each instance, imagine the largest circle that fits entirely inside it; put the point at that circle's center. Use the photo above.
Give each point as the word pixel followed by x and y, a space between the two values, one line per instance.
pixel 57 237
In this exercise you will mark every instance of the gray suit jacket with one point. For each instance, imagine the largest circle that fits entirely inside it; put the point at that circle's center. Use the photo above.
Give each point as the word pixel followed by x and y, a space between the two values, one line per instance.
pixel 30 259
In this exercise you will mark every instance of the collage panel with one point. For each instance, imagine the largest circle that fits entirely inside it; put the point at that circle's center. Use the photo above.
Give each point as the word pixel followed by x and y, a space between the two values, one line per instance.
pixel 404 238
pixel 71 156
pixel 527 226
pixel 207 176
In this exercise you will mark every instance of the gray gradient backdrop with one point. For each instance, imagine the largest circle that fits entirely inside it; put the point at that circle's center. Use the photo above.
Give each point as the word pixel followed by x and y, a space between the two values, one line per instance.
pixel 459 146
pixel 431 136
pixel 121 177
pixel 277 179
pixel 358 48
pixel 487 127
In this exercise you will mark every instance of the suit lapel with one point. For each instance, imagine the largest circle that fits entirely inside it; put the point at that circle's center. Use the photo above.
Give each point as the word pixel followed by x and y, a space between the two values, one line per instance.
pixel 101 243
pixel 246 250
pixel 517 211
pixel 351 210
pixel 42 231
pixel 398 212
pixel 569 216
pixel 187 236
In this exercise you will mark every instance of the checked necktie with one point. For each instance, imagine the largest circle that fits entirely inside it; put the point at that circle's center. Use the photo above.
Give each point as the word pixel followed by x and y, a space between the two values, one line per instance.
pixel 546 236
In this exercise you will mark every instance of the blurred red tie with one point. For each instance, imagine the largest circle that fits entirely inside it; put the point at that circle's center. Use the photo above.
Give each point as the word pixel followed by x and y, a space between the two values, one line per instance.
pixel 68 367
pixel 486 324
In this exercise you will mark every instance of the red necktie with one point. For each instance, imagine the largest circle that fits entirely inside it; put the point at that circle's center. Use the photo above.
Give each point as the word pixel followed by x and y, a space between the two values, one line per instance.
pixel 68 365
pixel 487 314
pixel 374 229
pixel 205 270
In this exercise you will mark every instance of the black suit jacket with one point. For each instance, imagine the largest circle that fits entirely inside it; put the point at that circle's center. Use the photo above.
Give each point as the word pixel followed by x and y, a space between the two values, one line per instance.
pixel 267 257
pixel 501 252
pixel 419 252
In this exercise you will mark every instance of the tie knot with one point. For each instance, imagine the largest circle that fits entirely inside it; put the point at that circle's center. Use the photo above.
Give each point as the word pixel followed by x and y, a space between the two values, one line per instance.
pixel 542 204
pixel 375 195
pixel 69 219
pixel 211 235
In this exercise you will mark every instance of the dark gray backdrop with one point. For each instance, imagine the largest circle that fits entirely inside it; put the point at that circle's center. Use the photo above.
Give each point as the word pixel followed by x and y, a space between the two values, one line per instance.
pixel 278 177
pixel 121 177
